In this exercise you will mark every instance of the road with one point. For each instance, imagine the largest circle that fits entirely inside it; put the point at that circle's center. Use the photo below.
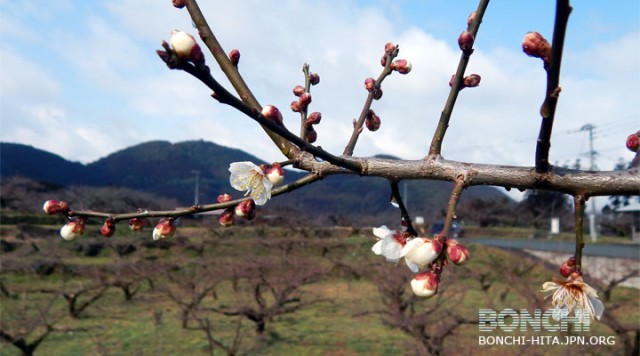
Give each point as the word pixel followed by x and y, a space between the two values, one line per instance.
pixel 628 251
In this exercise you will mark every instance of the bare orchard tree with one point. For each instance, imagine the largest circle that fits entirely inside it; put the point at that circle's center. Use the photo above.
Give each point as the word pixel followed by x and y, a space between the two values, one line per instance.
pixel 427 256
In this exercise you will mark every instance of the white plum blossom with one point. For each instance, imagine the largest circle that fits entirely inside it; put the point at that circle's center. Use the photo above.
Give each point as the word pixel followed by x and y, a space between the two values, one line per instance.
pixel 249 177
pixel 572 294
pixel 419 252
pixel 389 244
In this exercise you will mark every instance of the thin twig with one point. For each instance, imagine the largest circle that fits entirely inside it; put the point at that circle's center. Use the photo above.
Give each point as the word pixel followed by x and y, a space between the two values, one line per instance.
pixel 548 109
pixel 579 204
pixel 436 142
pixel 458 187
pixel 406 218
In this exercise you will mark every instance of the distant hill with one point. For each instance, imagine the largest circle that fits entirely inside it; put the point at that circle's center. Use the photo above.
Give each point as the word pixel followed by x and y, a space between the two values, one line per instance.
pixel 167 169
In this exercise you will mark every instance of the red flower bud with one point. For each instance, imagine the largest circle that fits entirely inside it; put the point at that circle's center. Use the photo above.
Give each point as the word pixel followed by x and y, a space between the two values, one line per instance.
pixel 234 56
pixel 314 78
pixel 226 218
pixel 470 19
pixel 402 66
pixel 246 209
pixel 164 229
pixel 185 47
pixel 178 3
pixel 633 142
pixel 425 284
pixel 383 60
pixel 305 100
pixel 136 224
pixel 298 90
pixel 471 81
pixel 272 113
pixel 537 46
pixel 73 228
pixel 457 253
pixel 295 106
pixel 372 121
pixel 310 134
pixel 465 41
pixel 108 228
pixel 377 94
pixel 275 174
pixel 223 198
pixel 369 84
pixel 389 48
pixel 568 267
pixel 55 207
pixel 314 118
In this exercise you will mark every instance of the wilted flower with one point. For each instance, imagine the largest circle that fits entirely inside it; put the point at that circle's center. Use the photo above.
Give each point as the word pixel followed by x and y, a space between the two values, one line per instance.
pixel 164 229
pixel 425 284
pixel 251 178
pixel 185 47
pixel 54 207
pixel 457 253
pixel 572 294
pixel 390 243
pixel 420 252
pixel 73 228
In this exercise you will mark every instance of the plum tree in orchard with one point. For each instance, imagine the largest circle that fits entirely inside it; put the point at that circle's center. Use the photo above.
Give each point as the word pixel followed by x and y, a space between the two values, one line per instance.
pixel 427 256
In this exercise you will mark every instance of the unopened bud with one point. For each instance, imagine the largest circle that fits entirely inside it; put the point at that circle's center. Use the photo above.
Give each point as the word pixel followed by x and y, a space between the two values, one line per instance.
pixel 377 94
pixel 369 84
pixel 223 198
pixel 568 267
pixel 421 251
pixel 310 135
pixel 73 228
pixel 108 228
pixel 372 121
pixel 178 3
pixel 457 253
pixel 55 207
pixel 389 48
pixel 164 229
pixel 471 81
pixel 465 41
pixel 314 78
pixel 425 284
pixel 314 118
pixel 402 66
pixel 470 19
pixel 298 90
pixel 272 113
pixel 136 224
pixel 275 174
pixel 633 142
pixel 305 100
pixel 226 218
pixel 295 106
pixel 383 60
pixel 234 56
pixel 537 46
pixel 185 47
pixel 246 209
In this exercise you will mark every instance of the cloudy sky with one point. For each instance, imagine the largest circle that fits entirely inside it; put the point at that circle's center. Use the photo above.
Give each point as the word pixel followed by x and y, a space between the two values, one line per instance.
pixel 81 78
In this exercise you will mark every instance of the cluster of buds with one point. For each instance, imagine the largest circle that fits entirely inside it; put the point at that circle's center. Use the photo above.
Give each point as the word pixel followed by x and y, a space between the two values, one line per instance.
pixel 633 142
pixel 185 47
pixel 469 81
pixel 304 99
pixel 372 121
pixel 535 45
pixel 272 113
pixel 245 209
pixel 310 134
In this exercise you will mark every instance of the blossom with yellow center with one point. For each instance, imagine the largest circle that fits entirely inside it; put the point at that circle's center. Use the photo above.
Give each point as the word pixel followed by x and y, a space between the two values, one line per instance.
pixel 251 178
pixel 572 294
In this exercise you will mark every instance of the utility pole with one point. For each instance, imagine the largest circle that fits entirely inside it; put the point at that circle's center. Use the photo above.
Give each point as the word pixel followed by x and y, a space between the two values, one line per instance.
pixel 592 160
pixel 196 199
